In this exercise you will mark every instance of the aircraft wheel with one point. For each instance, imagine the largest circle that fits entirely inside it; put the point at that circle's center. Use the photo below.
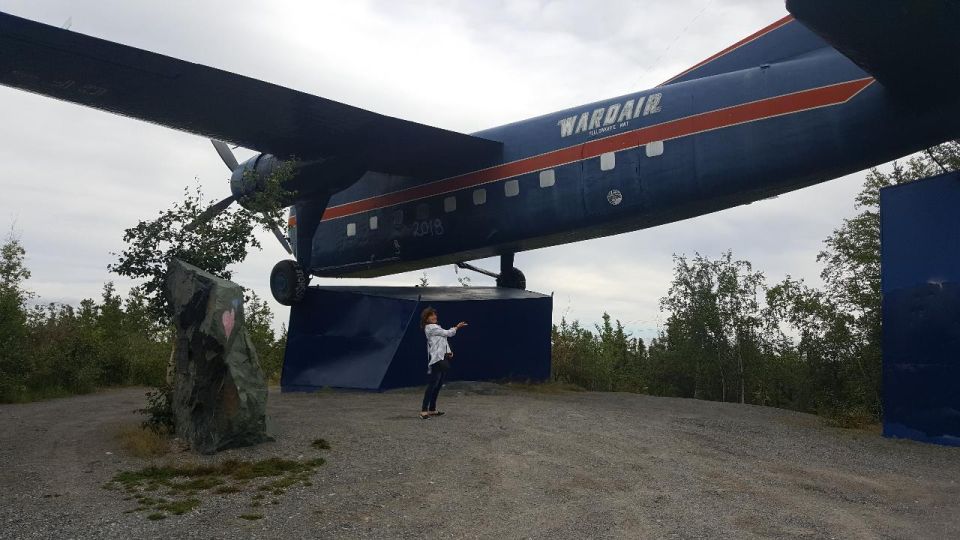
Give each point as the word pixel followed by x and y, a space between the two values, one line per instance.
pixel 512 279
pixel 288 282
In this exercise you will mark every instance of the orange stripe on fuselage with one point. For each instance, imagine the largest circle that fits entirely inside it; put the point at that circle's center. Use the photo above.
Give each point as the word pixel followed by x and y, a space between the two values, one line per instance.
pixel 682 127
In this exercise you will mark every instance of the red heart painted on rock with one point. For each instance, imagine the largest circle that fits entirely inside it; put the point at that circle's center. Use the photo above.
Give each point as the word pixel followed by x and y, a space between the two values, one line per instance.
pixel 228 320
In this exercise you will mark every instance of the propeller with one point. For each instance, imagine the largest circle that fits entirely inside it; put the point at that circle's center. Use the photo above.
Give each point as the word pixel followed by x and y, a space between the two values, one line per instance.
pixel 231 162
pixel 225 154
pixel 210 213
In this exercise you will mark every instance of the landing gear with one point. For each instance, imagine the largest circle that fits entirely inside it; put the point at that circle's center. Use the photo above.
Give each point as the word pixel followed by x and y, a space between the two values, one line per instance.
pixel 288 282
pixel 513 278
pixel 509 277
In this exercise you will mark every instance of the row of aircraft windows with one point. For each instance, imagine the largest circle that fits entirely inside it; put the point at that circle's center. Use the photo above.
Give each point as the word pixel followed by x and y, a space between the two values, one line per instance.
pixel 511 188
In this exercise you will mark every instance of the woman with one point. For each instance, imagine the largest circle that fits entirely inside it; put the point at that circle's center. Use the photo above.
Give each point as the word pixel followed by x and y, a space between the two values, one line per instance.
pixel 438 359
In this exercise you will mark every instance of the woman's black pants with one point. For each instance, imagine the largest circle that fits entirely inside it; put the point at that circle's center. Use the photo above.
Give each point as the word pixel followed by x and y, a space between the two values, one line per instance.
pixel 434 383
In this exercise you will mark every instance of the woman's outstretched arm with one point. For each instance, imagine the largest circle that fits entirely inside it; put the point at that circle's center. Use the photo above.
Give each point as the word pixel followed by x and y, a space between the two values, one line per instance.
pixel 437 330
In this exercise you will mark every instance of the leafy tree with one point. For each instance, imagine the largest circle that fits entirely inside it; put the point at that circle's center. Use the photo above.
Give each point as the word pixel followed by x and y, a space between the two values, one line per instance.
pixel 13 272
pixel 213 245
pixel 609 360
pixel 715 319
pixel 13 317
pixel 574 354
pixel 839 327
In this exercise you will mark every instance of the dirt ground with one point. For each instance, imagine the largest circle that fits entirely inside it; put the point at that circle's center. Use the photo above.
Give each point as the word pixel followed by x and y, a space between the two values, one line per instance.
pixel 502 463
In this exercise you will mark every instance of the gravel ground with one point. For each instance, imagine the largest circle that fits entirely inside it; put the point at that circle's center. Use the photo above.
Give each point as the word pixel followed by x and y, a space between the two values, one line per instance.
pixel 502 463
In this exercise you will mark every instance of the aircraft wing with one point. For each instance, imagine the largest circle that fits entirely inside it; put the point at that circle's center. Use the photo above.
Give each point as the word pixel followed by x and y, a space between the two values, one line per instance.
pixel 909 46
pixel 221 105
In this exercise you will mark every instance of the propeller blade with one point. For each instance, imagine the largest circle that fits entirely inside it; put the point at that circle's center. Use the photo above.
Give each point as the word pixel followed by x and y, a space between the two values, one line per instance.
pixel 210 213
pixel 226 154
pixel 282 238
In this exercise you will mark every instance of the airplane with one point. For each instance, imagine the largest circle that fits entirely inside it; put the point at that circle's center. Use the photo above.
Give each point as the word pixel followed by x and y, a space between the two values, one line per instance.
pixel 830 89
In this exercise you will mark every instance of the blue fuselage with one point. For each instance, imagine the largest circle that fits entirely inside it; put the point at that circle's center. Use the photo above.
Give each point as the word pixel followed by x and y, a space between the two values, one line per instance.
pixel 632 162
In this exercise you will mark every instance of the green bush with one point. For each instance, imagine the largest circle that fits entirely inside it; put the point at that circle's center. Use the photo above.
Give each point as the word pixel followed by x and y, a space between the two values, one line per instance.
pixel 159 410
pixel 58 350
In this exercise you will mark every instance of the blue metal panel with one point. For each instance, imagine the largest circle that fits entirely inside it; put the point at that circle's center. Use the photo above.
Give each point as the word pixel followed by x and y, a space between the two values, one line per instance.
pixel 370 337
pixel 921 309
pixel 342 339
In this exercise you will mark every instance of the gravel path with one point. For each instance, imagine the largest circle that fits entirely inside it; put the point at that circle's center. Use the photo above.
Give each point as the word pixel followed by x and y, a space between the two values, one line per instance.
pixel 501 464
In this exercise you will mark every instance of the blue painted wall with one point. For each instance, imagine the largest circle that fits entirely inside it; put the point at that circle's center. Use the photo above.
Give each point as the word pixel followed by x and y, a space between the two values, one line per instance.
pixel 920 261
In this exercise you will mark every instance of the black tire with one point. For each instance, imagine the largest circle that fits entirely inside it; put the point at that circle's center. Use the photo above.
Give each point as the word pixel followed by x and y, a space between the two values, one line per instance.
pixel 288 282
pixel 512 279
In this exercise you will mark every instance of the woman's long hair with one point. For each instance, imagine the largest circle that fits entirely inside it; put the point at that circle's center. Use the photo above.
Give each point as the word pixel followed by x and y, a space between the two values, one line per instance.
pixel 425 315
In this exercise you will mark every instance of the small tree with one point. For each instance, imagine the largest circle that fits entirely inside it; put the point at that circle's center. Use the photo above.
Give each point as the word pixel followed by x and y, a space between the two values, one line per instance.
pixel 463 280
pixel 259 319
pixel 213 245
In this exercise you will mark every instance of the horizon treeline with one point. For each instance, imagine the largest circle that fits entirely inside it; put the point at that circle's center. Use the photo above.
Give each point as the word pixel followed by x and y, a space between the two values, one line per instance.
pixel 53 350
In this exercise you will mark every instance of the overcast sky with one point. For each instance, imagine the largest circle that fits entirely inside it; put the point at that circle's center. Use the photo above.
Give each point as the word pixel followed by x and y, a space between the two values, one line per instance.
pixel 73 178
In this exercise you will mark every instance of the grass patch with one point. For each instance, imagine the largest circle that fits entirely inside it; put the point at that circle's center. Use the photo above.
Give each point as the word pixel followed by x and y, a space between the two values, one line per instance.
pixel 197 484
pixel 251 517
pixel 185 483
pixel 143 443
pixel 156 516
pixel 246 470
pixel 178 508
pixel 320 444
pixel 285 482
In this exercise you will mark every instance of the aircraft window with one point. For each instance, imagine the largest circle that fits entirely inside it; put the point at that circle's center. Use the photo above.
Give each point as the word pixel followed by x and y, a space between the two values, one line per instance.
pixel 479 196
pixel 374 223
pixel 423 212
pixel 655 149
pixel 608 161
pixel 511 188
pixel 548 178
pixel 398 218
pixel 449 204
pixel 351 229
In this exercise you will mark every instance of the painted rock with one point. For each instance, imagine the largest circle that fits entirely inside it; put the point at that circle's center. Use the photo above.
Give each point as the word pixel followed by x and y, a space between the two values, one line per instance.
pixel 219 392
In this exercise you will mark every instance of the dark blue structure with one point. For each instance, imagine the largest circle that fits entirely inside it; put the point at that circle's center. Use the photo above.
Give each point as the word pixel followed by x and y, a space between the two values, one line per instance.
pixel 370 337
pixel 920 232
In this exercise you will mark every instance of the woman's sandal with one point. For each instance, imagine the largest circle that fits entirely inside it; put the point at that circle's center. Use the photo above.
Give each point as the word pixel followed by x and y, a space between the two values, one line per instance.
pixel 424 416
pixel 436 413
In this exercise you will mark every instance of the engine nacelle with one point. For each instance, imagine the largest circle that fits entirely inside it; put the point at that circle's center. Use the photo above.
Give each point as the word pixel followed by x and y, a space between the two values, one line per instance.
pixel 250 175
pixel 309 180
